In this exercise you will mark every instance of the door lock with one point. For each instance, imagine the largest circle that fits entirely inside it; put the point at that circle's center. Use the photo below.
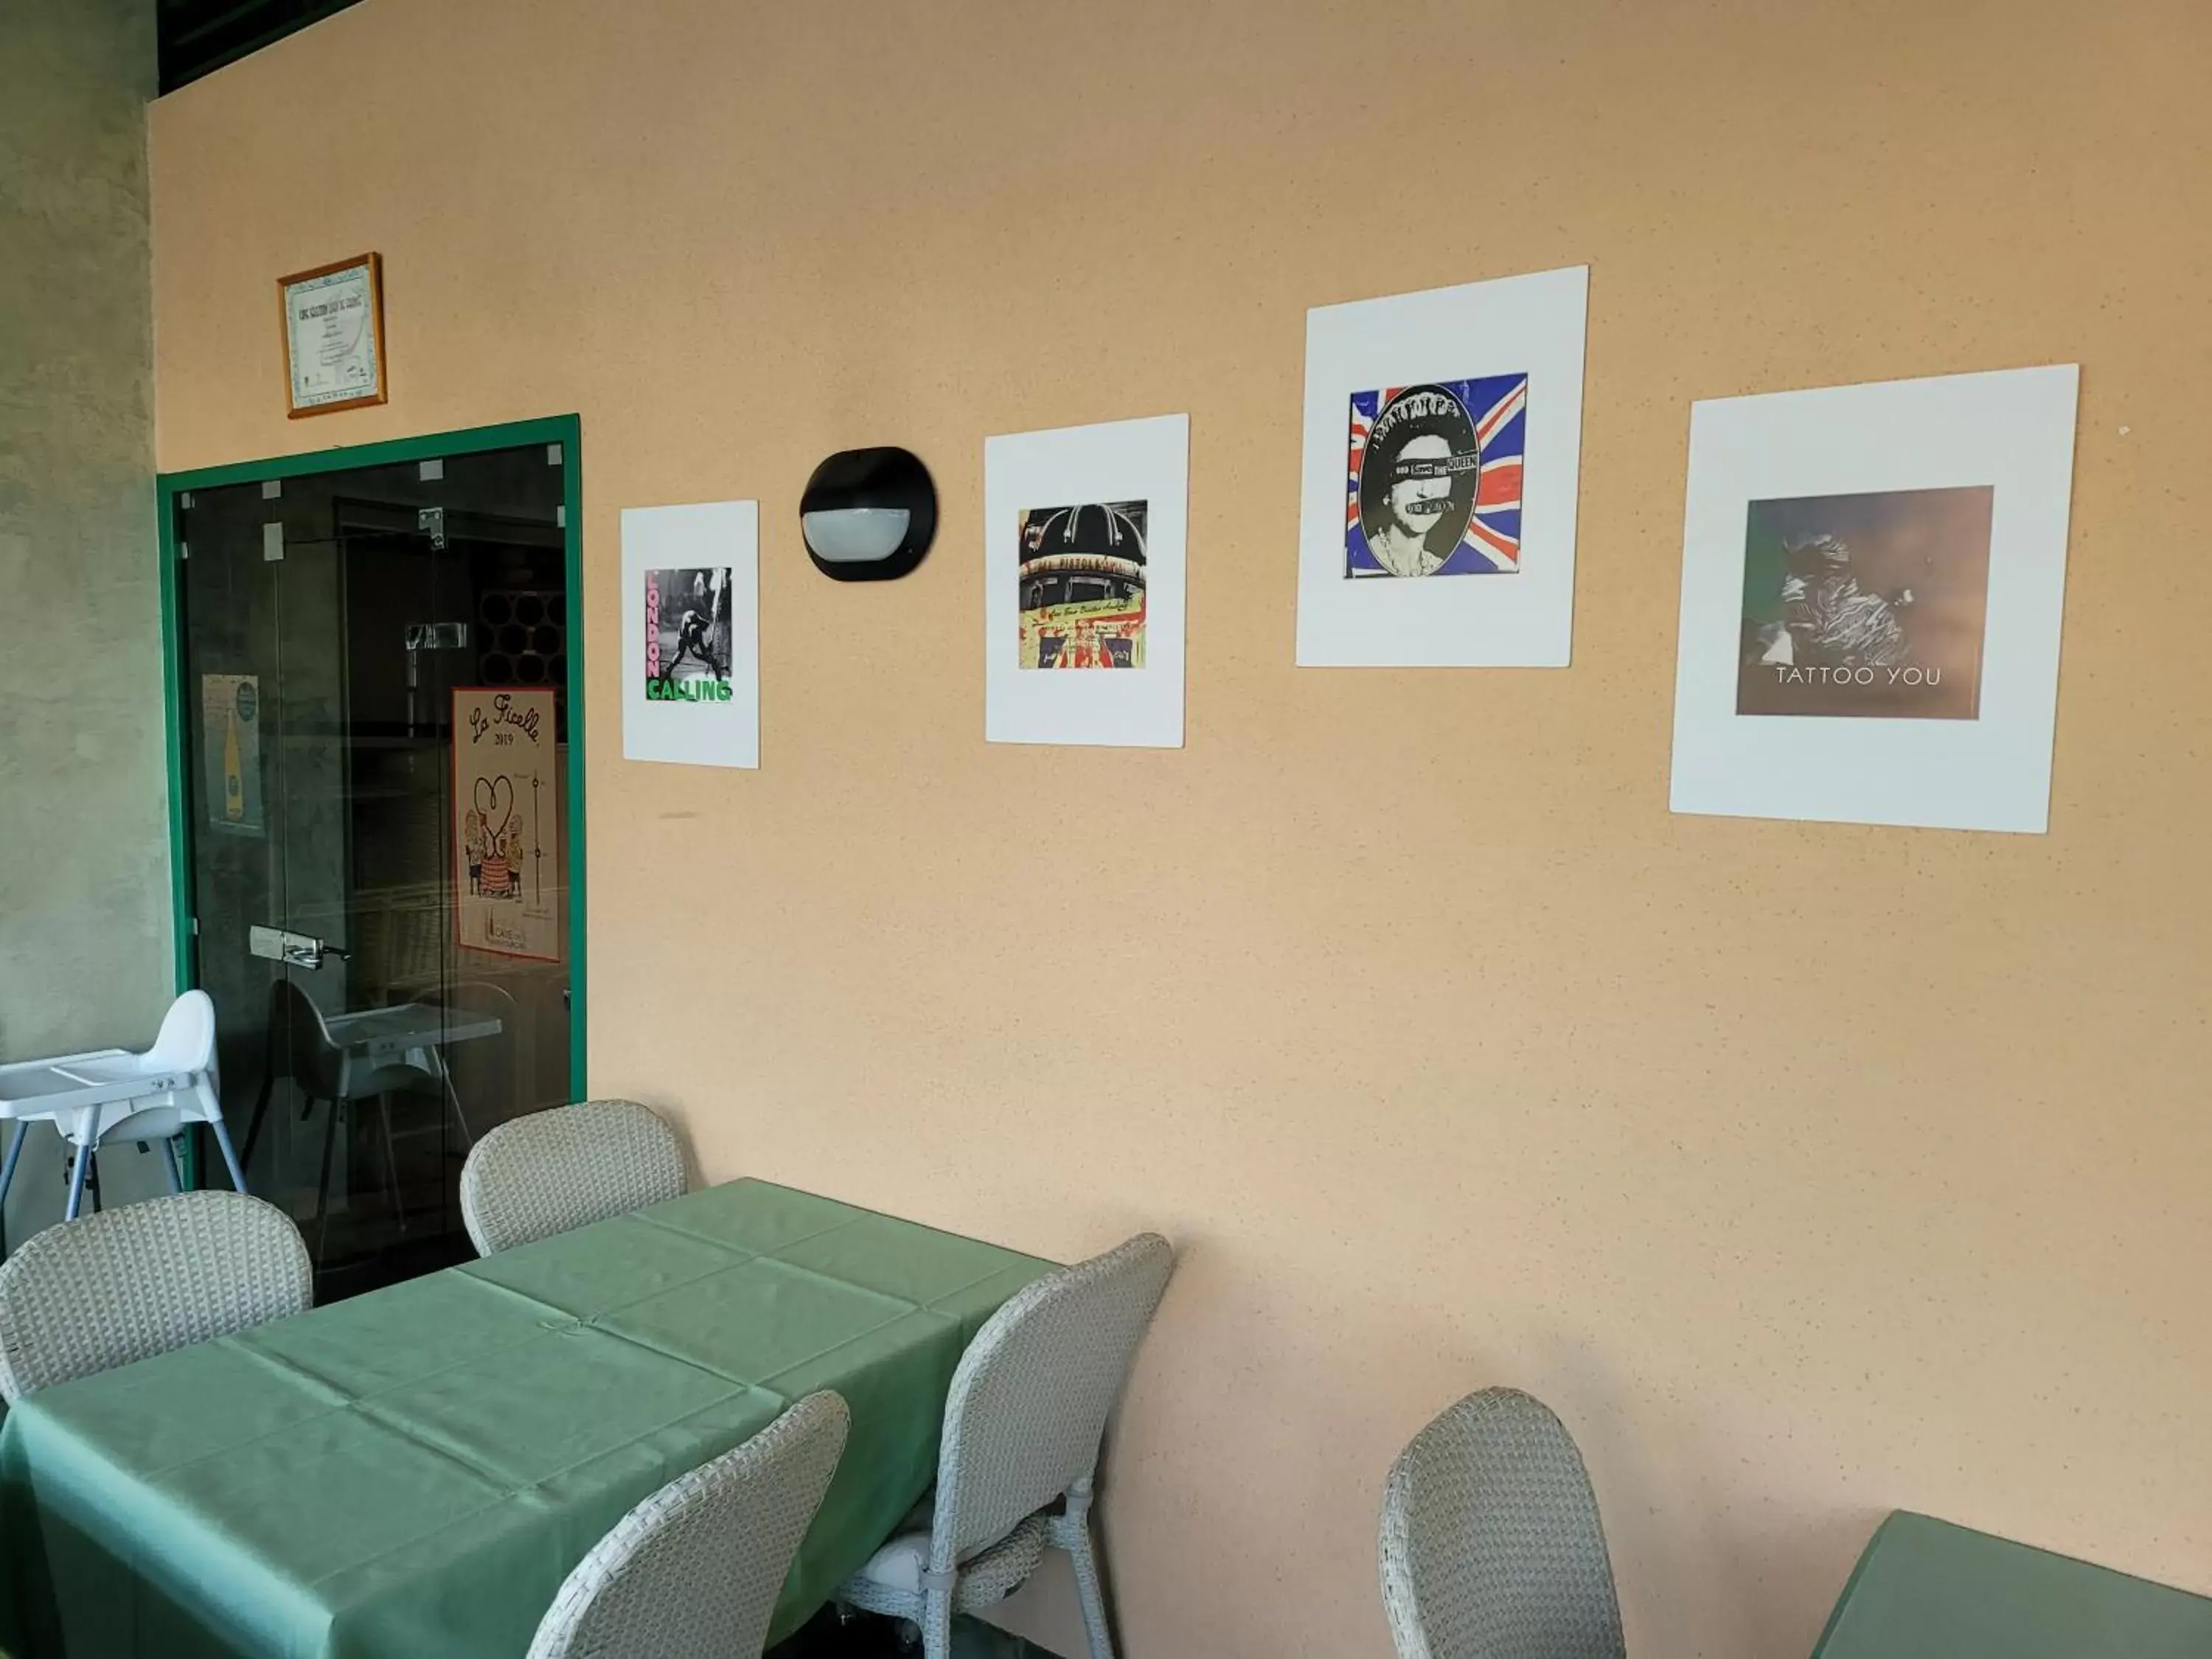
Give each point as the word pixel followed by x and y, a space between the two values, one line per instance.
pixel 293 950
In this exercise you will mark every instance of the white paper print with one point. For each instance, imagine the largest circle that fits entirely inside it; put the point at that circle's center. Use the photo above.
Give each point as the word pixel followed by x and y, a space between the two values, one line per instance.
pixel 1872 583
pixel 1083 563
pixel 329 334
pixel 691 634
pixel 1443 448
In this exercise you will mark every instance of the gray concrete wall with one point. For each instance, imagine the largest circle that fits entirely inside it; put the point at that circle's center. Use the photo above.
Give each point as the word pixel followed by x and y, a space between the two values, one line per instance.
pixel 85 953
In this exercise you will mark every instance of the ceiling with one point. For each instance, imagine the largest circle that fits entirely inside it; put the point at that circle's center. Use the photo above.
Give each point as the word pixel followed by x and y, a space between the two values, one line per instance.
pixel 199 37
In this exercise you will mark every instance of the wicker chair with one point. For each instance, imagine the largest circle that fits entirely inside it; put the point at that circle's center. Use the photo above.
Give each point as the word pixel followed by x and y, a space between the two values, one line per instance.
pixel 1023 1422
pixel 89 1295
pixel 549 1171
pixel 1492 1547
pixel 694 1571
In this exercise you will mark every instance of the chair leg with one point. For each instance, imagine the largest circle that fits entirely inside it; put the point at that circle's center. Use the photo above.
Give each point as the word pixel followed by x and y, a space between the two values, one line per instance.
pixel 1074 1534
pixel 81 1162
pixel 468 1140
pixel 391 1160
pixel 14 1152
pixel 169 1166
pixel 231 1160
pixel 323 1183
pixel 937 1624
pixel 260 1106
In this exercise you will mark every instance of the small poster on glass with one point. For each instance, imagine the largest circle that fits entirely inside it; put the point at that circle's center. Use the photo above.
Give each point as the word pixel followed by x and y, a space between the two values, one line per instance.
pixel 507 860
pixel 230 752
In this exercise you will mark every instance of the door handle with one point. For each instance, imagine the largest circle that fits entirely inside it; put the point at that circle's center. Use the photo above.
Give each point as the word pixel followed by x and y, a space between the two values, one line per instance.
pixel 293 950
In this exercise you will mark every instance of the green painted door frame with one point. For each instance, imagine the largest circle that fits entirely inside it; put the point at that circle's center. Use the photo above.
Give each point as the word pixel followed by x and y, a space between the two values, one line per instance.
pixel 566 430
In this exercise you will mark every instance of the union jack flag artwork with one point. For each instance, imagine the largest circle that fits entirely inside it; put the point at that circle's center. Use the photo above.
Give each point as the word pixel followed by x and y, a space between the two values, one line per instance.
pixel 1432 484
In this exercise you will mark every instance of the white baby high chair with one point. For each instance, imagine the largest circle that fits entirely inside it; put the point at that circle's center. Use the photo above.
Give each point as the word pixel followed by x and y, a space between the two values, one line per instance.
pixel 114 1095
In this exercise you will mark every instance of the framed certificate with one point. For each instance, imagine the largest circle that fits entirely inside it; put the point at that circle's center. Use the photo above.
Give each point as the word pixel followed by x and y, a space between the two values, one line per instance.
pixel 333 319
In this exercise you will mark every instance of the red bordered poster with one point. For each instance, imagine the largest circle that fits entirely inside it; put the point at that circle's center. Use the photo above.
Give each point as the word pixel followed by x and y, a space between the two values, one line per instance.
pixel 507 876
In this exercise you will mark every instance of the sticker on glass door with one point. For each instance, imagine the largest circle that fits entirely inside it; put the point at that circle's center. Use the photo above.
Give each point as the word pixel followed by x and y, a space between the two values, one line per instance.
pixel 230 724
pixel 507 838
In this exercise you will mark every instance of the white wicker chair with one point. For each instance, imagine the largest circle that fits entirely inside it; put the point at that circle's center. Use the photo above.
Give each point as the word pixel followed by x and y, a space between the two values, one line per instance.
pixel 1023 1421
pixel 549 1171
pixel 1492 1547
pixel 92 1294
pixel 693 1572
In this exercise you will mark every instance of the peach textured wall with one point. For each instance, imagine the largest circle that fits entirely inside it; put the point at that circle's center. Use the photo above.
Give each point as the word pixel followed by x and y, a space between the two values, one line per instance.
pixel 1808 1170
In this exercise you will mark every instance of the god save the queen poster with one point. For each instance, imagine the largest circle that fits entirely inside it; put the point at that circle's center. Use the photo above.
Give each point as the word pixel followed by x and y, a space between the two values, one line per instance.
pixel 1433 484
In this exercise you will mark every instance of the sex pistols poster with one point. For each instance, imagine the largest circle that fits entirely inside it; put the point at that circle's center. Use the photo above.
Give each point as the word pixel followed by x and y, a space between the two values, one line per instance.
pixel 1083 583
pixel 1442 441
pixel 1082 575
pixel 506 806
pixel 1433 482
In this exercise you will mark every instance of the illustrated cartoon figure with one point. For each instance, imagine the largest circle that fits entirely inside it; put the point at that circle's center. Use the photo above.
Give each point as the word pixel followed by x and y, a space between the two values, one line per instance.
pixel 494 874
pixel 472 840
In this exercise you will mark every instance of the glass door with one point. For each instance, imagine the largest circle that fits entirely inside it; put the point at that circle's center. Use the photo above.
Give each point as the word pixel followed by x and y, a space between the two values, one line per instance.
pixel 376 748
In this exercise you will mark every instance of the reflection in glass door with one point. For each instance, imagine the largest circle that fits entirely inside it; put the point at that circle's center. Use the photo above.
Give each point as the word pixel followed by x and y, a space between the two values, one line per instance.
pixel 376 743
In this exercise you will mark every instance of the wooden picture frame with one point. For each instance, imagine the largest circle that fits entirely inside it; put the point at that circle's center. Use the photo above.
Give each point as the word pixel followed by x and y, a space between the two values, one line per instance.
pixel 348 366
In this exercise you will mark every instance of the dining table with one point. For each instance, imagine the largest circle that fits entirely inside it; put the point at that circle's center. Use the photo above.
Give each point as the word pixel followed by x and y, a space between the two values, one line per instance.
pixel 1925 1588
pixel 411 1473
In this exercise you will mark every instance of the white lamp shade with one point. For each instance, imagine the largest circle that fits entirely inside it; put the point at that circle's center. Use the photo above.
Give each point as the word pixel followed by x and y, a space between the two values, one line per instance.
pixel 852 535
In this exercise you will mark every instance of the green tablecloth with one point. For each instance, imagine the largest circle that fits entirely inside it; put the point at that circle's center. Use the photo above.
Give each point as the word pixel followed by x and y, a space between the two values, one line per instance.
pixel 1927 1590
pixel 411 1474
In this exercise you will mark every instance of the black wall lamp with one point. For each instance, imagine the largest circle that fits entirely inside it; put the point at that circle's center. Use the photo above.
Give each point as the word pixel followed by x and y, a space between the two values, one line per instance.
pixel 868 514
